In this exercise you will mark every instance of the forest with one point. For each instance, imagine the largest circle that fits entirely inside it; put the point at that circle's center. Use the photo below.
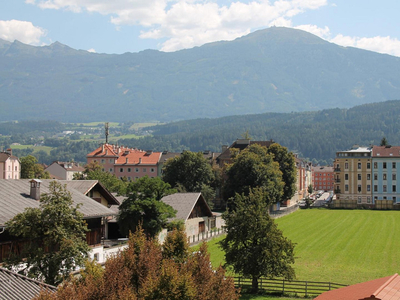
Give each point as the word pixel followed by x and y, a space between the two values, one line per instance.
pixel 315 136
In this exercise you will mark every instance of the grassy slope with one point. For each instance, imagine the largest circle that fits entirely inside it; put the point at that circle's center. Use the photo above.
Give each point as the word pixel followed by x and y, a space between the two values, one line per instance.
pixel 340 246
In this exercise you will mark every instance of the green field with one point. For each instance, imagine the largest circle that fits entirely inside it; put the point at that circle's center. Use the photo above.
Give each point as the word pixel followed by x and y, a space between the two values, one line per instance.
pixel 340 246
pixel 35 149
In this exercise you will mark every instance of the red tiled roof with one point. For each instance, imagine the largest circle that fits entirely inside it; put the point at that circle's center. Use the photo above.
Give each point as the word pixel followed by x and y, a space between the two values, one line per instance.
pixel 386 151
pixel 386 288
pixel 126 156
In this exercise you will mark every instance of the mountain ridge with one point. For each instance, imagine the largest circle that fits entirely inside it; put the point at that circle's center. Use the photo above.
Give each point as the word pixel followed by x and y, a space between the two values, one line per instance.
pixel 271 70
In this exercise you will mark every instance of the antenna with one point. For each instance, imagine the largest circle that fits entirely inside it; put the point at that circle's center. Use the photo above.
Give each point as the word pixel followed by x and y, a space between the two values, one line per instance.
pixel 106 131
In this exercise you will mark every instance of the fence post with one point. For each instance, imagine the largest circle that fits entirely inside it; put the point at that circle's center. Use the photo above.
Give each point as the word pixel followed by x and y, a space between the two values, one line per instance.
pixel 261 284
pixel 329 285
pixel 306 289
pixel 283 286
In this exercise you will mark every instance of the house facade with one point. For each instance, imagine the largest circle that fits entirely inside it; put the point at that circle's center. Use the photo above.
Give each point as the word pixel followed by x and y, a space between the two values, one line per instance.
pixel 64 170
pixel 126 162
pixel 10 166
pixel 323 178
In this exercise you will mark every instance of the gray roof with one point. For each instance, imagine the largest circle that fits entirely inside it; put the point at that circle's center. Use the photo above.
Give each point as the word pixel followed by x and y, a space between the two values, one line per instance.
pixel 184 203
pixel 18 287
pixel 15 197
pixel 83 186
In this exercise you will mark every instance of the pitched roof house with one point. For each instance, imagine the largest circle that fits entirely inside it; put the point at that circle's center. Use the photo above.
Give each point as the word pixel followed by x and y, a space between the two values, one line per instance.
pixel 64 170
pixel 126 162
pixel 10 166
pixel 16 195
pixel 386 288
pixel 19 287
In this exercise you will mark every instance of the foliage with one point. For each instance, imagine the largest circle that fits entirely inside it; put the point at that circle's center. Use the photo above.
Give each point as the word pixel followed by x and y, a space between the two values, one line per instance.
pixel 144 206
pixel 176 246
pixel 310 189
pixel 384 142
pixel 31 169
pixel 254 167
pixel 287 165
pixel 55 236
pixel 190 169
pixel 254 246
pixel 143 271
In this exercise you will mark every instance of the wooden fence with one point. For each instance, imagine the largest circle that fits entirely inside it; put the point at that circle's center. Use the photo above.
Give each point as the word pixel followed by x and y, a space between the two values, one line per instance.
pixel 206 235
pixel 301 288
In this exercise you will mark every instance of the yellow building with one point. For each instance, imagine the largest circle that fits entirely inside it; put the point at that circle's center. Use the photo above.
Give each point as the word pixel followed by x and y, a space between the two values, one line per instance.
pixel 353 180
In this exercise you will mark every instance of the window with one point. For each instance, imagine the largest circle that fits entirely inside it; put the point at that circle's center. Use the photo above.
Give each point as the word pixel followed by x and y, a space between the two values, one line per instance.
pixel 359 165
pixel 111 160
pixel 375 198
pixel 346 166
pixel 137 170
pixel 152 170
pixel 346 187
pixel 375 176
pixel 375 165
pixel 16 168
pixel 359 200
pixel 368 176
pixel 111 169
pixel 121 169
pixel 359 188
pixel 393 165
pixel 102 169
pixel 393 188
pixel 324 174
pixel 129 178
pixel 384 188
pixel 384 176
pixel 375 188
pixel 368 199
pixel 394 199
pixel 129 170
pixel 359 176
pixel 393 176
pixel 346 176
pixel 384 165
pixel 102 161
pixel 368 188
pixel 368 165
pixel 144 170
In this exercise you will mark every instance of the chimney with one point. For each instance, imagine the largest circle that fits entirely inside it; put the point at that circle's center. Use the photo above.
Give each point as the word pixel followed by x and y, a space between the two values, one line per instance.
pixel 102 148
pixel 9 150
pixel 140 160
pixel 127 160
pixel 35 189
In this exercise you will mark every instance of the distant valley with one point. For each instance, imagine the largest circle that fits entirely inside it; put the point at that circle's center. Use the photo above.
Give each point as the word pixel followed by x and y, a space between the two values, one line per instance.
pixel 272 70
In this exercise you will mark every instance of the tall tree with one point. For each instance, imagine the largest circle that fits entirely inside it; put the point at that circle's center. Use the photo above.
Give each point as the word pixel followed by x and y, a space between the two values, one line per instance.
pixel 287 165
pixel 384 141
pixel 31 169
pixel 254 246
pixel 144 206
pixel 55 237
pixel 254 167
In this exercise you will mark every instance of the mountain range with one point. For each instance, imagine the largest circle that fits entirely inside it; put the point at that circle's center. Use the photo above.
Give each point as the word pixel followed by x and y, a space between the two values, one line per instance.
pixel 272 70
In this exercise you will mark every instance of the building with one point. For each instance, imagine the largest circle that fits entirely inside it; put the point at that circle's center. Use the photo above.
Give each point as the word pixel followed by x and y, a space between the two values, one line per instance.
pixel 386 288
pixel 10 166
pixel 126 162
pixel 385 176
pixel 323 178
pixel 16 195
pixel 64 170
pixel 352 175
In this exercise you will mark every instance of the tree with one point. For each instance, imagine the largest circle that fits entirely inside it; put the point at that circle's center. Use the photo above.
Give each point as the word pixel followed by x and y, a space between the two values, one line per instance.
pixel 31 169
pixel 144 271
pixel 190 170
pixel 144 206
pixel 287 165
pixel 254 167
pixel 310 189
pixel 254 246
pixel 54 234
pixel 384 142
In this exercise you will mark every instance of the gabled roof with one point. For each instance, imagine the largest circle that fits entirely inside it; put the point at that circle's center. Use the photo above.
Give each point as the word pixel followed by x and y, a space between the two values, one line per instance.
pixel 85 186
pixel 5 155
pixel 19 287
pixel 184 203
pixel 15 197
pixel 386 288
pixel 68 166
pixel 386 151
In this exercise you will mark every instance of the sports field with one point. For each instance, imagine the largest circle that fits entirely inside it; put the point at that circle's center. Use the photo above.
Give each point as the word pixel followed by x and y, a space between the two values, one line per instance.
pixel 340 246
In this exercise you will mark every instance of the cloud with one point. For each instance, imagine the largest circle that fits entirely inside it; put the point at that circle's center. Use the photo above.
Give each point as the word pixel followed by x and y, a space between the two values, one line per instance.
pixel 22 31
pixel 91 50
pixel 189 23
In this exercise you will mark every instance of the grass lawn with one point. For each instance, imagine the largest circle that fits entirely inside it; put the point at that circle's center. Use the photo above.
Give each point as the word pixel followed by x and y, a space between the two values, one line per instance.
pixel 340 246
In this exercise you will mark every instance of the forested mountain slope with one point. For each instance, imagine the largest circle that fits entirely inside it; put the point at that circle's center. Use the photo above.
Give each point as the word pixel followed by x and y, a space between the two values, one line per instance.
pixel 272 70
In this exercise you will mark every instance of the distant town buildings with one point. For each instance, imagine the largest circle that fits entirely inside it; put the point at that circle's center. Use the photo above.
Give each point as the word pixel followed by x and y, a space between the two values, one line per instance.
pixel 64 170
pixel 323 178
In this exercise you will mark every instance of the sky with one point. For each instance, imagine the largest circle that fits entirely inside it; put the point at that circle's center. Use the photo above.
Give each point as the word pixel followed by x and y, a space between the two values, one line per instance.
pixel 119 26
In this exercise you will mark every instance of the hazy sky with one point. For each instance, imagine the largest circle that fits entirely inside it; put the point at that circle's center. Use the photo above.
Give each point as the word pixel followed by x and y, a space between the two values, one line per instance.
pixel 118 26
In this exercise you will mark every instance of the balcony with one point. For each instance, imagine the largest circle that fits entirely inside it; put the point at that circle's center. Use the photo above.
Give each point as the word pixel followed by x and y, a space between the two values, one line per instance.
pixel 337 169
pixel 337 180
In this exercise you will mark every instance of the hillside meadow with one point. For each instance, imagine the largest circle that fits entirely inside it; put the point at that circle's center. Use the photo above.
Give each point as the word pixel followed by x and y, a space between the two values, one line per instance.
pixel 340 246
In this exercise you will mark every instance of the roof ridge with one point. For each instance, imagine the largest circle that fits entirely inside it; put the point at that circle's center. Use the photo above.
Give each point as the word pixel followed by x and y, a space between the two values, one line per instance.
pixel 385 284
